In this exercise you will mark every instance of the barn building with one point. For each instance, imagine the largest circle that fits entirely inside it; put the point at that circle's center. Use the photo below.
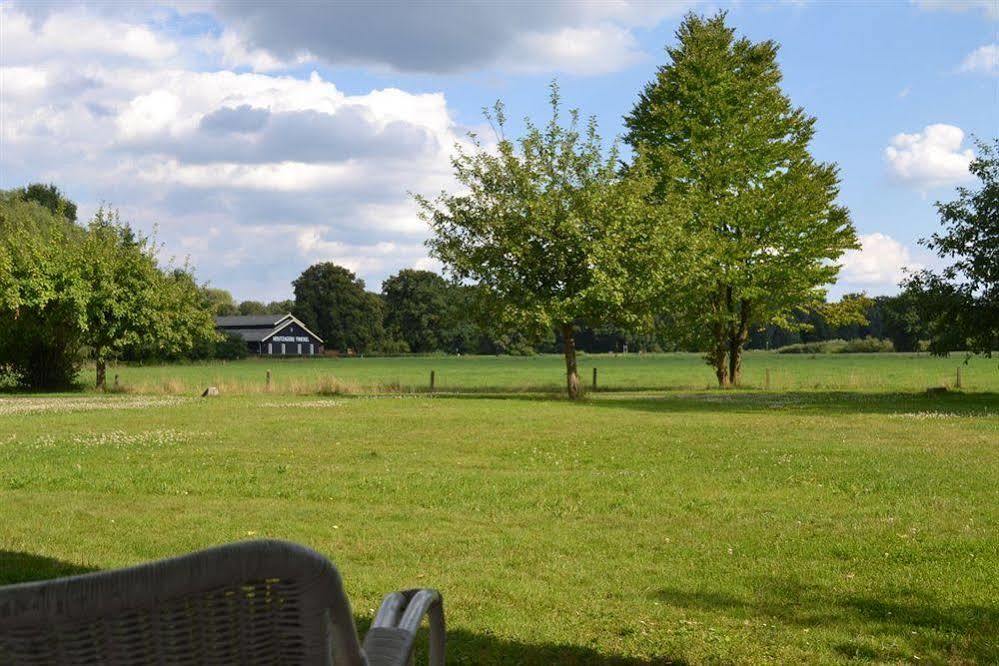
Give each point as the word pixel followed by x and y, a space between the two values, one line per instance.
pixel 274 335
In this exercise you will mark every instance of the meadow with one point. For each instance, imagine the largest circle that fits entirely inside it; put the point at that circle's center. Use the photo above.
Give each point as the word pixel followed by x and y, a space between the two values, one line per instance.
pixel 810 524
pixel 545 373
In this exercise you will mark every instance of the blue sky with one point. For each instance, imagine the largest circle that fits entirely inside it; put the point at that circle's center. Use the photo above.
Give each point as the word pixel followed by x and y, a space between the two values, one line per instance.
pixel 259 139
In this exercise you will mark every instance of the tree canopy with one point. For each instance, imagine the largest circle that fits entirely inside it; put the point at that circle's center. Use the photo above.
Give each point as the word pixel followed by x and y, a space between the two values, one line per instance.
pixel 331 300
pixel 66 288
pixel 49 197
pixel 764 230
pixel 960 304
pixel 547 229
pixel 416 309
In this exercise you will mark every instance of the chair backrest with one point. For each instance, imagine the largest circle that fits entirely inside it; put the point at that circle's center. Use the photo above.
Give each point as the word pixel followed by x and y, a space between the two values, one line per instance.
pixel 253 602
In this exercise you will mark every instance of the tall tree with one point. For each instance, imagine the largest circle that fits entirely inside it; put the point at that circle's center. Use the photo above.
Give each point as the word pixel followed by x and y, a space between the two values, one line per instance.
pixel 133 303
pixel 960 305
pixel 64 287
pixel 331 300
pixel 764 229
pixel 220 302
pixel 416 308
pixel 43 294
pixel 547 229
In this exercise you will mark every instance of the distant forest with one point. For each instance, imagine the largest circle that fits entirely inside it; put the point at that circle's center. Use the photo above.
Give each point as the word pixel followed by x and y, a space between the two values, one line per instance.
pixel 419 312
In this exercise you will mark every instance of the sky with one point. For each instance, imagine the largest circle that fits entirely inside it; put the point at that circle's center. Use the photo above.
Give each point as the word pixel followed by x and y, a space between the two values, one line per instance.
pixel 254 139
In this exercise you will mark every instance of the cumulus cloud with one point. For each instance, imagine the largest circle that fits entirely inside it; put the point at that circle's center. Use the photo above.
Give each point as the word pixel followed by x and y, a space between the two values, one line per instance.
pixel 878 266
pixel 930 158
pixel 252 174
pixel 77 34
pixel 574 36
pixel 983 60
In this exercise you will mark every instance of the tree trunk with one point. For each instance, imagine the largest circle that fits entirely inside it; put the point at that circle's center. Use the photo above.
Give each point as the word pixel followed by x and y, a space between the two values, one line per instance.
pixel 735 363
pixel 571 370
pixel 101 374
pixel 718 358
pixel 738 338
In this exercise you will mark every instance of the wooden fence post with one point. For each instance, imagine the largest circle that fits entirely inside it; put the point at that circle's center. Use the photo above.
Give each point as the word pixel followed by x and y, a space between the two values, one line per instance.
pixel 116 380
pixel 594 379
pixel 958 384
pixel 268 386
pixel 432 378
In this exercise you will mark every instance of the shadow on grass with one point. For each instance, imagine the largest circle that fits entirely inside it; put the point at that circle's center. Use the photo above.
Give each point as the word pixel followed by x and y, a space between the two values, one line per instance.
pixel 883 629
pixel 24 567
pixel 915 404
pixel 464 647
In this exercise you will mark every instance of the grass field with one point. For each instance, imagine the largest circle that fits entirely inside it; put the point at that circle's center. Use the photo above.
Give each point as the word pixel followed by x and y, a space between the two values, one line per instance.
pixel 877 372
pixel 795 526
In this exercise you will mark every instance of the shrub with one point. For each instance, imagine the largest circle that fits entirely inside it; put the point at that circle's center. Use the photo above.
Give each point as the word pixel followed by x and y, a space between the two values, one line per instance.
pixel 869 345
pixel 231 348
pixel 836 346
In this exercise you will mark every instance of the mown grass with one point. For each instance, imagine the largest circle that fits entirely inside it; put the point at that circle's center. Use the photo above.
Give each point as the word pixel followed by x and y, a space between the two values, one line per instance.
pixel 695 527
pixel 859 372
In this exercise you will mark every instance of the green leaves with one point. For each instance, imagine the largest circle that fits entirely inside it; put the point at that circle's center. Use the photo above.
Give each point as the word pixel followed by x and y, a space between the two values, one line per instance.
pixel 961 304
pixel 332 301
pixel 545 224
pixel 761 228
pixel 65 288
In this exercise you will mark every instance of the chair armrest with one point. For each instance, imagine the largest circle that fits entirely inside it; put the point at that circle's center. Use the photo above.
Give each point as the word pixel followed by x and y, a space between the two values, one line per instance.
pixel 390 640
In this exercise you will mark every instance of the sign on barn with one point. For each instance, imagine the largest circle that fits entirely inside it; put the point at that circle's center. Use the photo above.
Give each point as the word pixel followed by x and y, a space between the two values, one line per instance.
pixel 272 335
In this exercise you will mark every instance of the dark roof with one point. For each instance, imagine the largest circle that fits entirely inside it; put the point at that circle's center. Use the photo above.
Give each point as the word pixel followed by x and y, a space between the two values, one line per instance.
pixel 250 334
pixel 257 328
pixel 250 321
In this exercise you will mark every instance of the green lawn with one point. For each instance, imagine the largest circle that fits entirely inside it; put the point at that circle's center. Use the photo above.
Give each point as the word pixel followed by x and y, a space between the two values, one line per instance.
pixel 800 526
pixel 866 372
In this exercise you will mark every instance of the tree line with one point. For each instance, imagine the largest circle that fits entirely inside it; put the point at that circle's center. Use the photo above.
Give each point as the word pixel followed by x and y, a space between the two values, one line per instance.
pixel 71 291
pixel 710 227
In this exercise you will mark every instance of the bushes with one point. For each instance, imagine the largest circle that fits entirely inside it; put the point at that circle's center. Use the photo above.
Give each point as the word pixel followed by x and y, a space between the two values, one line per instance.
pixel 868 345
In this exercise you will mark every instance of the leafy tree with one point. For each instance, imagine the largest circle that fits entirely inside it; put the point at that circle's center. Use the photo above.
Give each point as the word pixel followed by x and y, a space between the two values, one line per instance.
pixel 51 198
pixel 65 288
pixel 547 229
pixel 220 302
pixel 416 308
pixel 332 301
pixel 231 347
pixel 43 295
pixel 764 230
pixel 280 307
pixel 960 305
pixel 132 302
pixel 252 308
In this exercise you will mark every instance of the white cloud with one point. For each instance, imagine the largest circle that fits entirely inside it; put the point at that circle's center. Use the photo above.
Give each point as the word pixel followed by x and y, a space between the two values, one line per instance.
pixel 599 49
pixel 983 60
pixel 75 33
pixel 988 7
pixel 574 36
pixel 149 114
pixel 113 123
pixel 879 265
pixel 930 158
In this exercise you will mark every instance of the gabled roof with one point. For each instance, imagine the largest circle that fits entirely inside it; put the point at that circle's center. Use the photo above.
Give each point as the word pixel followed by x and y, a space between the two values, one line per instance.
pixel 250 321
pixel 286 323
pixel 258 328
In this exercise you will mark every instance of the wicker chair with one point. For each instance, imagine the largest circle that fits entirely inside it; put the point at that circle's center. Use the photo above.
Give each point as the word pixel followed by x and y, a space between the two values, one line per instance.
pixel 253 602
